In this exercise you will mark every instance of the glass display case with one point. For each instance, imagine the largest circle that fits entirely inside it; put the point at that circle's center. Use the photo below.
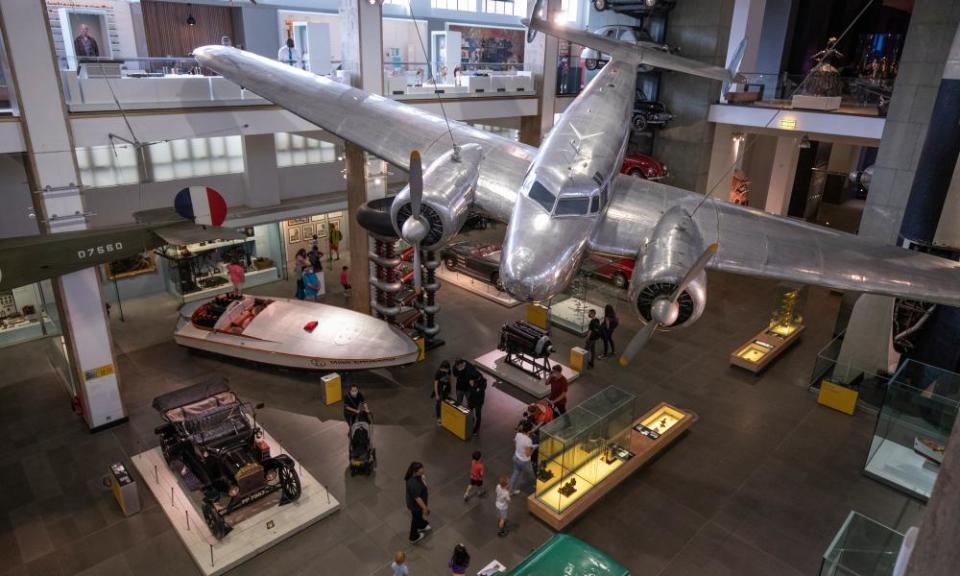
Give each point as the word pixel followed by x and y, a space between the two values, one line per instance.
pixel 913 425
pixel 862 547
pixel 786 324
pixel 584 446
pixel 198 271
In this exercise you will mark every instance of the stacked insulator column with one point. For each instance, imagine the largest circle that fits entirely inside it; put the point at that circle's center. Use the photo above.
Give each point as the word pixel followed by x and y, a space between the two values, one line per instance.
pixel 385 278
pixel 427 301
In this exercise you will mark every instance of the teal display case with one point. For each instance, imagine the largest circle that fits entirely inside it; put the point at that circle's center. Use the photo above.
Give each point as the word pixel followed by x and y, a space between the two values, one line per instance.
pixel 862 547
pixel 915 420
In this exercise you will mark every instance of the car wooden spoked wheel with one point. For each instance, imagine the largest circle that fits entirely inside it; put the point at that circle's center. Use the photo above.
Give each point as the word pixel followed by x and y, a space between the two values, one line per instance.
pixel 599 5
pixel 639 122
pixel 637 172
pixel 590 63
pixel 619 280
pixel 450 263
pixel 289 483
pixel 215 522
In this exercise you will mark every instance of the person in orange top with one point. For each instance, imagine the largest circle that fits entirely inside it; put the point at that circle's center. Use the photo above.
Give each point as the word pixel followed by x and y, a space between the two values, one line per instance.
pixel 476 476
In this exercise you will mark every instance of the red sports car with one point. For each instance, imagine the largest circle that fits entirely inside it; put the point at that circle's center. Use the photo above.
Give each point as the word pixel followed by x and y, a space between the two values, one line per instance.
pixel 643 166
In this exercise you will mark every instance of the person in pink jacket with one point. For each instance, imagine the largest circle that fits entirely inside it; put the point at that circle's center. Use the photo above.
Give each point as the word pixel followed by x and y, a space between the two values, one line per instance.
pixel 237 274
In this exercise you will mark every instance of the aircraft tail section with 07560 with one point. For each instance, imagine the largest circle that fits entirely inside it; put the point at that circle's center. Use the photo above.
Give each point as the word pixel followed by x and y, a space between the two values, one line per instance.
pixel 28 259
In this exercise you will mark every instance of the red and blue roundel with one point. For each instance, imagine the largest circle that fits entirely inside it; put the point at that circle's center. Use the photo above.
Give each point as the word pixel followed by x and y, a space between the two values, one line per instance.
pixel 201 204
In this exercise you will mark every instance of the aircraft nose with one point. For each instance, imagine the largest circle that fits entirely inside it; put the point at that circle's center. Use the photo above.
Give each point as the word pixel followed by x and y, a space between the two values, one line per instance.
pixel 530 274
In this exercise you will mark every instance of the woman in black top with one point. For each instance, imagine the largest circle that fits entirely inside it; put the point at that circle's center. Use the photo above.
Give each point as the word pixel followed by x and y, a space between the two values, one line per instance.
pixel 441 386
pixel 417 498
pixel 610 323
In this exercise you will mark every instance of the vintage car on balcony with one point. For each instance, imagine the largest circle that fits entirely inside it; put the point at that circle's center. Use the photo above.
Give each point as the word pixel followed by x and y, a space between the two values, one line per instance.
pixel 648 113
pixel 476 259
pixel 613 269
pixel 635 7
pixel 211 441
pixel 643 166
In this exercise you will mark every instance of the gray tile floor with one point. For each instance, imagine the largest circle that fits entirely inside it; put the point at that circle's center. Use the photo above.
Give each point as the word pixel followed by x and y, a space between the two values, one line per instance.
pixel 759 486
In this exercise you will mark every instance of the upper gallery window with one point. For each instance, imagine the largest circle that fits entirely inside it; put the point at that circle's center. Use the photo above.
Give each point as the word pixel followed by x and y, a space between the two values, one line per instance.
pixel 297 150
pixel 193 157
pixel 107 165
pixel 461 5
pixel 515 8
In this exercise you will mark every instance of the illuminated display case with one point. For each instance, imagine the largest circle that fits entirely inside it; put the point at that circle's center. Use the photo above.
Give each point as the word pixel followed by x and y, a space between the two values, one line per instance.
pixel 590 450
pixel 786 324
pixel 584 446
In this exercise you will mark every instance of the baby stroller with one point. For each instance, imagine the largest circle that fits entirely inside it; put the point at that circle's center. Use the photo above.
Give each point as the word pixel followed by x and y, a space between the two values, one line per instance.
pixel 363 456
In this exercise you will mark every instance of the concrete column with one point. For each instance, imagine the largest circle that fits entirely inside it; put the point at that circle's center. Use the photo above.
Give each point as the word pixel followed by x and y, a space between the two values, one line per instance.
pixel 261 177
pixel 540 57
pixel 782 175
pixel 936 552
pixel 933 25
pixel 746 23
pixel 362 42
pixel 702 29
pixel 53 177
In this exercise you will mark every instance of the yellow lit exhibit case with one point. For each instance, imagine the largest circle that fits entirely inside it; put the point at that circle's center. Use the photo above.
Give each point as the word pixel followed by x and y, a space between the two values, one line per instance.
pixel 595 446
pixel 784 329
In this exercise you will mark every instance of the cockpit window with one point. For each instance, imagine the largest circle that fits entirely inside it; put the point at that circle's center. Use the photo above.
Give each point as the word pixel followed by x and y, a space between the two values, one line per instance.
pixel 594 204
pixel 572 206
pixel 542 196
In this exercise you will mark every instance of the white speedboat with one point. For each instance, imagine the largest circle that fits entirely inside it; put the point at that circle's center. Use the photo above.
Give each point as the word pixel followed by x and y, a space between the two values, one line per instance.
pixel 293 333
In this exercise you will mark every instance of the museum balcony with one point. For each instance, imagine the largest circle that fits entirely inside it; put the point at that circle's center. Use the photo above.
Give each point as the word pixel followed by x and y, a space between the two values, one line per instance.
pixel 175 83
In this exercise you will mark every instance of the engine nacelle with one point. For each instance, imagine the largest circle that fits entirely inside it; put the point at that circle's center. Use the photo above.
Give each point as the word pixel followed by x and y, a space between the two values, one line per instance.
pixel 675 245
pixel 449 188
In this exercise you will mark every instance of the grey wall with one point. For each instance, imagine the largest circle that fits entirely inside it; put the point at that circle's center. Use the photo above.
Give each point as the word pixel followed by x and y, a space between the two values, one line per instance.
pixel 758 165
pixel 932 28
pixel 15 198
pixel 776 17
pixel 259 29
pixel 701 29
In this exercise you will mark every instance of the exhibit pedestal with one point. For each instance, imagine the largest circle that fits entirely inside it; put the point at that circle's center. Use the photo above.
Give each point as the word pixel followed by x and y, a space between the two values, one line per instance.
pixel 571 314
pixel 645 443
pixel 256 527
pixel 494 362
pixel 758 352
pixel 458 420
pixel 332 388
pixel 478 287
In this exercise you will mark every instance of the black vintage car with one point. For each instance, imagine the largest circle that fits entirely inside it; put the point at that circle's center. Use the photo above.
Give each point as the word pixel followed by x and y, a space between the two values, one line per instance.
pixel 648 113
pixel 482 261
pixel 211 440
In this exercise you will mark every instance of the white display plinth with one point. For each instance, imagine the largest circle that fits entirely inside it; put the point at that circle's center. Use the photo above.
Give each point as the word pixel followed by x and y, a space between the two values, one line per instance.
pixel 826 103
pixel 901 466
pixel 494 362
pixel 571 314
pixel 263 524
pixel 478 287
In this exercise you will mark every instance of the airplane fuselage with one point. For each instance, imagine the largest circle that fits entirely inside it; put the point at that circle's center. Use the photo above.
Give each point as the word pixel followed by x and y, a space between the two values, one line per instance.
pixel 566 191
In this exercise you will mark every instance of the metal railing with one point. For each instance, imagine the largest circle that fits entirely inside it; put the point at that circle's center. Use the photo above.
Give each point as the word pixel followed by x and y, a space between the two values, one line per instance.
pixel 857 91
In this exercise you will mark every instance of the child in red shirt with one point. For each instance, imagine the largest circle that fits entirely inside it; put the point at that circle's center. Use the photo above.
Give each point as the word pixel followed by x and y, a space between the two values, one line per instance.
pixel 476 477
pixel 345 280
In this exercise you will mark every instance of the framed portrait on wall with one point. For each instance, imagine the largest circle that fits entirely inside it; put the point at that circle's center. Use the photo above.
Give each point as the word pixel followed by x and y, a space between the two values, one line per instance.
pixel 85 35
pixel 293 234
pixel 318 217
pixel 295 221
pixel 307 231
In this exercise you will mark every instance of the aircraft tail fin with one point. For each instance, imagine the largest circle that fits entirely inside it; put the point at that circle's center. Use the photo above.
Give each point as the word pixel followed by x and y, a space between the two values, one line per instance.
pixel 625 51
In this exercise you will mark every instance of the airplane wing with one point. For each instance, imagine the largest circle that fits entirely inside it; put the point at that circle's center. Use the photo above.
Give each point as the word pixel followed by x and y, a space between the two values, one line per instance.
pixel 381 126
pixel 755 243
pixel 636 54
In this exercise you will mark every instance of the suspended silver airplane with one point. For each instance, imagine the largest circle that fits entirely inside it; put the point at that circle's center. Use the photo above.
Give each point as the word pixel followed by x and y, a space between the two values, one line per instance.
pixel 567 197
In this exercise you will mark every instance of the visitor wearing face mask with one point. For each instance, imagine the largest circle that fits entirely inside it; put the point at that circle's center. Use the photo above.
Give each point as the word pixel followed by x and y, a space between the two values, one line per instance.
pixel 353 404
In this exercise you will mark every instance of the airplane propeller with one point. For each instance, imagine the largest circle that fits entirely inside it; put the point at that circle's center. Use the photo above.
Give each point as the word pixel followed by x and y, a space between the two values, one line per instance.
pixel 665 309
pixel 415 229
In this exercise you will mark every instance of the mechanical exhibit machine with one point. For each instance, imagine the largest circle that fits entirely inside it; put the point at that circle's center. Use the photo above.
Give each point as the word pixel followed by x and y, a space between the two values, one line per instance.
pixel 211 440
pixel 392 297
pixel 784 329
pixel 596 445
pixel 528 348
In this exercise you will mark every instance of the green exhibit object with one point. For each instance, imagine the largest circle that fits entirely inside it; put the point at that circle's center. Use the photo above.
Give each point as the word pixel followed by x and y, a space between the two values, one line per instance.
pixel 568 556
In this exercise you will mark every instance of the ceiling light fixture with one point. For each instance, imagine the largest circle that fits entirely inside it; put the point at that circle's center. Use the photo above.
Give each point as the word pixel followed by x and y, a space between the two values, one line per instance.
pixel 191 21
pixel 804 142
